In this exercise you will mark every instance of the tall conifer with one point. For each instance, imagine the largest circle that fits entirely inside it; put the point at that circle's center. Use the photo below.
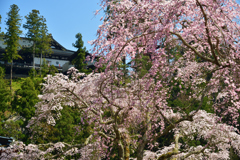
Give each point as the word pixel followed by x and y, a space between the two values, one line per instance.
pixel 12 36
pixel 33 25
pixel 45 41
pixel 37 32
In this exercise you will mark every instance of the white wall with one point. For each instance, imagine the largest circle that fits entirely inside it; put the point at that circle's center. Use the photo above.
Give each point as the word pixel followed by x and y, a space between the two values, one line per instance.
pixel 22 42
pixel 52 61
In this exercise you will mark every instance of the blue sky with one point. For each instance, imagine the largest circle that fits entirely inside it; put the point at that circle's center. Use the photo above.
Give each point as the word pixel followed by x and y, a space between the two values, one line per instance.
pixel 65 18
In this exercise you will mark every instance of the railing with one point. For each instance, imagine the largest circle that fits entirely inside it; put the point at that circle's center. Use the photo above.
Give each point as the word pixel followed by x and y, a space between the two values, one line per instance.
pixel 28 65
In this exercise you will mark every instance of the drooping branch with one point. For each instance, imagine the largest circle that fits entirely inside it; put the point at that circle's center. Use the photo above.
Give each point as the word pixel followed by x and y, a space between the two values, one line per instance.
pixel 192 48
pixel 208 33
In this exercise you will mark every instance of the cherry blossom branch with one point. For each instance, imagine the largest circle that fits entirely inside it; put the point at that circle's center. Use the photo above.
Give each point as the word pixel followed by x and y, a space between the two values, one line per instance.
pixel 195 152
pixel 208 33
pixel 192 48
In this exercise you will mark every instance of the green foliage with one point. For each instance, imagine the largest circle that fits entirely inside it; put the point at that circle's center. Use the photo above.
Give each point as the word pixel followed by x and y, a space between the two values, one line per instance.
pixel 69 128
pixel 12 37
pixel 11 129
pixel 17 83
pixel 45 69
pixel 37 83
pixel 78 58
pixel 25 99
pixel 32 72
pixel 12 34
pixel 53 70
pixel 45 45
pixel 45 39
pixel 1 33
pixel 8 128
pixel 142 64
pixel 183 102
pixel 124 67
pixel 5 96
pixel 2 72
pixel 38 33
pixel 33 25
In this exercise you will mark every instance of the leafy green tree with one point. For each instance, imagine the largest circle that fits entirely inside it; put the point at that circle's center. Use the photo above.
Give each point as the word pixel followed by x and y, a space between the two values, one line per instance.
pixel 78 58
pixel 25 99
pixel 12 36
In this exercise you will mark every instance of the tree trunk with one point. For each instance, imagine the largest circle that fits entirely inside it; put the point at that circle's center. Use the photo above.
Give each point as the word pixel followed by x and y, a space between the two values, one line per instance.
pixel 33 59
pixel 127 152
pixel 120 150
pixel 144 139
pixel 11 76
pixel 140 151
pixel 41 65
pixel 124 67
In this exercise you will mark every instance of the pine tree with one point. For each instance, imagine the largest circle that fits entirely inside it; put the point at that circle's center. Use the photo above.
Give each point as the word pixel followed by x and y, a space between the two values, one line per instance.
pixel 12 36
pixel 78 58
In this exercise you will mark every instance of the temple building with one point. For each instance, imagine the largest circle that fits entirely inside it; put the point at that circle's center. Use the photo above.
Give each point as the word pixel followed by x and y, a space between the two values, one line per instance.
pixel 60 57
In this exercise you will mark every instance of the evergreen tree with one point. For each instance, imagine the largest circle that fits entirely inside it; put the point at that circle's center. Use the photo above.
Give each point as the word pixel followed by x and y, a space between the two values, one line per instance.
pixel 5 96
pixel 25 99
pixel 12 36
pixel 78 58
pixel 45 45
pixel 37 32
pixel 1 33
